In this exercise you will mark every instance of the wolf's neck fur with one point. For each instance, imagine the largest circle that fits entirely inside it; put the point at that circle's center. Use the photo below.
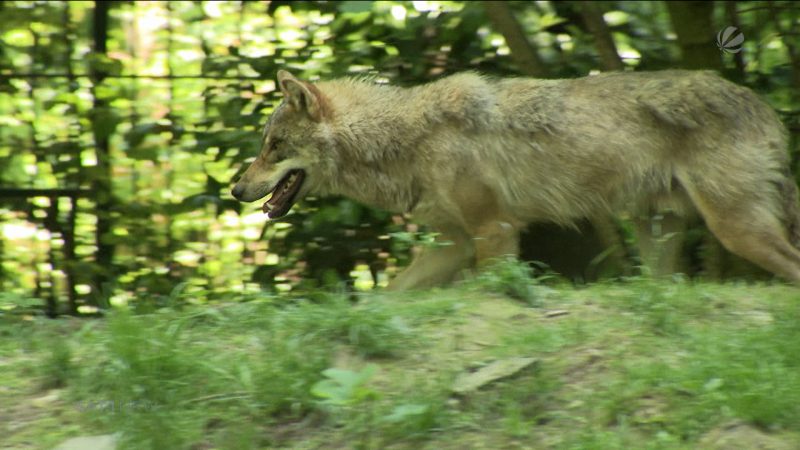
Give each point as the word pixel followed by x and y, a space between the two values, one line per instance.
pixel 376 129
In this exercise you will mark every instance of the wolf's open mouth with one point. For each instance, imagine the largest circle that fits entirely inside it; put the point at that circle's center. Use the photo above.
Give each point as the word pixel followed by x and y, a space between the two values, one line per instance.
pixel 283 195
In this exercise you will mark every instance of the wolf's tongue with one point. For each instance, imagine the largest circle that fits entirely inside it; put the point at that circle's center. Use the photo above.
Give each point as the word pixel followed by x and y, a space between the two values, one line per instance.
pixel 274 207
pixel 283 195
pixel 278 197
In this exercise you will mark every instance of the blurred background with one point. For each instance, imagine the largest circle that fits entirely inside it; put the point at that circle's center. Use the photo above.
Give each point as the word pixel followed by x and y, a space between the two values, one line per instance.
pixel 123 123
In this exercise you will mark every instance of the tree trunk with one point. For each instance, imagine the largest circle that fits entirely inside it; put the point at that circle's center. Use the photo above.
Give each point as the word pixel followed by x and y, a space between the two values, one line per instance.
pixel 732 16
pixel 522 51
pixel 70 258
pixel 101 184
pixel 694 26
pixel 592 16
pixel 789 39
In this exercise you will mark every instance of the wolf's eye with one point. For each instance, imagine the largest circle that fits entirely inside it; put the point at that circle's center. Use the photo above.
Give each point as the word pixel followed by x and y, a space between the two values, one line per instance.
pixel 273 144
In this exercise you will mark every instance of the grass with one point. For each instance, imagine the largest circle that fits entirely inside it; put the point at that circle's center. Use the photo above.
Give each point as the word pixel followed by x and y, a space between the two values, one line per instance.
pixel 634 364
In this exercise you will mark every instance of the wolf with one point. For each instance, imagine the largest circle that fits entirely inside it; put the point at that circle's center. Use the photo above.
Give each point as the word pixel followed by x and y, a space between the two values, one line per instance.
pixel 478 158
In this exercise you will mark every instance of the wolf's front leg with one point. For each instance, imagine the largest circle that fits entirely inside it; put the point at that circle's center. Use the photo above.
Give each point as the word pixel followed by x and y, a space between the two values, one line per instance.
pixel 495 238
pixel 438 265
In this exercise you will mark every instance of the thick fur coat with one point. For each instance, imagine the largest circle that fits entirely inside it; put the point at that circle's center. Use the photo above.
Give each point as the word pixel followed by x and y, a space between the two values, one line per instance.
pixel 478 159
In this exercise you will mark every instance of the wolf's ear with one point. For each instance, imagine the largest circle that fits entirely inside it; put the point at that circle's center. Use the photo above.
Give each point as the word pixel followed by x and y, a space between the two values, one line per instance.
pixel 303 96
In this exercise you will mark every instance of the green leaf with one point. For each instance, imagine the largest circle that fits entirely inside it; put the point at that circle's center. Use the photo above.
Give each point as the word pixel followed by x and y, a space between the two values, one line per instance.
pixel 406 411
pixel 344 387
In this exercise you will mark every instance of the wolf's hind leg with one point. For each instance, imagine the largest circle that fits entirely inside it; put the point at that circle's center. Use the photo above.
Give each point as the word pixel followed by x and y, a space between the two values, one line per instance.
pixel 438 265
pixel 768 248
pixel 747 225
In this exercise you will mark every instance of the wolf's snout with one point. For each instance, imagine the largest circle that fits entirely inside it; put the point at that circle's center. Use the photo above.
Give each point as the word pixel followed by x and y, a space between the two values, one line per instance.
pixel 238 191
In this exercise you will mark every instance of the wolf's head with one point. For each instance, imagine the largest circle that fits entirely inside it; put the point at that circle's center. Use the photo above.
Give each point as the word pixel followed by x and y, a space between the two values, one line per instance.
pixel 292 148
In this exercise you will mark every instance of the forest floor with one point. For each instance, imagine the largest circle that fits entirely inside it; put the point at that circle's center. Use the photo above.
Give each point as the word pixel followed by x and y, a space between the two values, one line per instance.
pixel 501 362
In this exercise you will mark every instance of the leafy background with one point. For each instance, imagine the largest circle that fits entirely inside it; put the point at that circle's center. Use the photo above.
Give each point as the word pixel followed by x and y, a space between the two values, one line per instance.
pixel 122 124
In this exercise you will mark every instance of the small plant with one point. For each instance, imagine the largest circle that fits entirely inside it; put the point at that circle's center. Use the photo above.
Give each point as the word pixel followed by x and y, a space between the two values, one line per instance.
pixel 661 308
pixel 511 277
pixel 345 392
pixel 287 368
pixel 57 367
pixel 345 388
pixel 407 412
pixel 373 332
pixel 367 327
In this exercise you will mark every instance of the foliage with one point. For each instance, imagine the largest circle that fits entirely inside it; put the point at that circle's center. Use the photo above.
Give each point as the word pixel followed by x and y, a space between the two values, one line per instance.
pixel 344 387
pixel 182 91
pixel 511 277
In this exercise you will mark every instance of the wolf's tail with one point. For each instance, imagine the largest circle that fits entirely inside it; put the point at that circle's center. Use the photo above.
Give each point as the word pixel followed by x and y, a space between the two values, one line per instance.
pixel 791 208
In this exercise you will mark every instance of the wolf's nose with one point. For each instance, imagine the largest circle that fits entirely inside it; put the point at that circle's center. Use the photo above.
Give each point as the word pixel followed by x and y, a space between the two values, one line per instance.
pixel 237 191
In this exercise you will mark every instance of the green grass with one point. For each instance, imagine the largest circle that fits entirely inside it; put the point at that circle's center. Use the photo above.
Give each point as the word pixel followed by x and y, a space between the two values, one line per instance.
pixel 634 364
